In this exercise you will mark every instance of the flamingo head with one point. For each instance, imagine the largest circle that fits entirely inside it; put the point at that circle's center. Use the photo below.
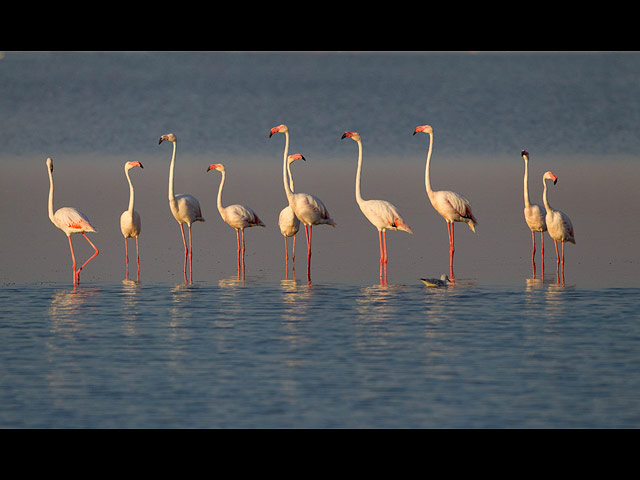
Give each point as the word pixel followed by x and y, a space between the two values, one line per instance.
pixel 216 166
pixel 550 176
pixel 278 129
pixel 294 157
pixel 50 163
pixel 525 154
pixel 352 135
pixel 130 165
pixel 170 137
pixel 423 128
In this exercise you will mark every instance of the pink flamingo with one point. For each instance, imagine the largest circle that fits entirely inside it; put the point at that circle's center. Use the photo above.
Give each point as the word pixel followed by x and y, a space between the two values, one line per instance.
pixel 308 208
pixel 289 224
pixel 382 214
pixel 237 216
pixel 70 220
pixel 534 216
pixel 185 209
pixel 558 223
pixel 130 223
pixel 452 206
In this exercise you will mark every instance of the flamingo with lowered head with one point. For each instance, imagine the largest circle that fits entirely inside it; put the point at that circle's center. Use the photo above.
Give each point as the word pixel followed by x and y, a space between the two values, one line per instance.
pixel 184 207
pixel 70 220
pixel 130 223
pixel 308 208
pixel 558 223
pixel 288 222
pixel 534 216
pixel 382 214
pixel 237 216
pixel 452 206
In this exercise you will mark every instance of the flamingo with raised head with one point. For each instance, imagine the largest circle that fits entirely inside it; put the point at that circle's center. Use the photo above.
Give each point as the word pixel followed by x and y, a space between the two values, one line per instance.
pixel 534 216
pixel 237 216
pixel 382 214
pixel 558 223
pixel 184 207
pixel 308 208
pixel 452 206
pixel 130 223
pixel 70 220
pixel 289 224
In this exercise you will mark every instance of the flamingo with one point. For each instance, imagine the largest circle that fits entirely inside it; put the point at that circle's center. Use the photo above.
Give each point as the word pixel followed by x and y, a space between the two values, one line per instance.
pixel 130 223
pixel 184 207
pixel 308 208
pixel 288 222
pixel 382 214
pixel 70 220
pixel 452 206
pixel 534 216
pixel 558 223
pixel 237 216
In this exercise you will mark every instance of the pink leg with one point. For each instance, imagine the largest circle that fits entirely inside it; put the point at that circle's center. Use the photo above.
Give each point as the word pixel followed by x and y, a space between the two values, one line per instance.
pixel 533 252
pixel 186 251
pixel 243 249
pixel 238 248
pixel 137 259
pixel 381 253
pixel 452 249
pixel 384 238
pixel 307 230
pixel 90 258
pixel 126 257
pixel 293 256
pixel 557 259
pixel 542 250
pixel 190 257
pixel 286 254
pixel 73 258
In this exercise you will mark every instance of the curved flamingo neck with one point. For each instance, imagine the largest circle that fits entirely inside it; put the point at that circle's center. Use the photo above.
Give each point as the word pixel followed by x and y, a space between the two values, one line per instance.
pixel 222 180
pixel 544 196
pixel 172 197
pixel 526 182
pixel 427 179
pixel 359 198
pixel 51 196
pixel 126 172
pixel 285 180
pixel 290 176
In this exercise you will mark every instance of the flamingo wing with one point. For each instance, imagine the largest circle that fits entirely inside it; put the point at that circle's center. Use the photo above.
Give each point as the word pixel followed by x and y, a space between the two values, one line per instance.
pixel 72 220
pixel 310 209
pixel 188 209
pixel 239 216
pixel 384 215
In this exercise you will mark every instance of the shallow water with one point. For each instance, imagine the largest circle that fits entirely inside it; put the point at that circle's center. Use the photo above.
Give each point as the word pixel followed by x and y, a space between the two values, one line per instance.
pixel 499 349
pixel 289 355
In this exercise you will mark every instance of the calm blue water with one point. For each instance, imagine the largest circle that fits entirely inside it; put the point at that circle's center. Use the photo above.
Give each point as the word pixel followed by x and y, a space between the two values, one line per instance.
pixel 498 350
pixel 290 355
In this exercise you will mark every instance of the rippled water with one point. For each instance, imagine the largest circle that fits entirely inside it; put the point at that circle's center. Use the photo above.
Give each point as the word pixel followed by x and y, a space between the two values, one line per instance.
pixel 290 355
pixel 499 349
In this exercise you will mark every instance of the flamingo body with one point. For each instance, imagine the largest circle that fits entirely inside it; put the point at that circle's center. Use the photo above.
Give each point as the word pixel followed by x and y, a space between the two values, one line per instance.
pixel 452 206
pixel 237 216
pixel 130 222
pixel 308 208
pixel 184 207
pixel 558 223
pixel 382 214
pixel 70 220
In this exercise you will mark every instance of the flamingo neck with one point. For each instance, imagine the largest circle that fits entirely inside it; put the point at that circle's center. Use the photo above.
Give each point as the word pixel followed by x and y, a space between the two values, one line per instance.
pixel 126 172
pixel 526 183
pixel 51 196
pixel 172 197
pixel 359 198
pixel 290 177
pixel 544 196
pixel 427 180
pixel 285 180
pixel 222 179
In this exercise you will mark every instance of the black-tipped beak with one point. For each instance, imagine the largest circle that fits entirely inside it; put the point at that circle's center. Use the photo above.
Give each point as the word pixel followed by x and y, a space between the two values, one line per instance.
pixel 555 181
pixel 270 134
pixel 414 132
pixel 344 135
pixel 160 141
pixel 208 168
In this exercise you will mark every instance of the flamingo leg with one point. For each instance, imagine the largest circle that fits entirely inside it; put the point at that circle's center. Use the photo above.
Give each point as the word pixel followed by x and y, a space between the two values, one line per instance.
pixel 557 259
pixel 73 258
pixel 533 252
pixel 243 249
pixel 307 231
pixel 186 251
pixel 452 249
pixel 293 256
pixel 286 255
pixel 90 258
pixel 137 259
pixel 542 250
pixel 381 253
pixel 126 257
pixel 384 239
pixel 190 257
pixel 238 248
